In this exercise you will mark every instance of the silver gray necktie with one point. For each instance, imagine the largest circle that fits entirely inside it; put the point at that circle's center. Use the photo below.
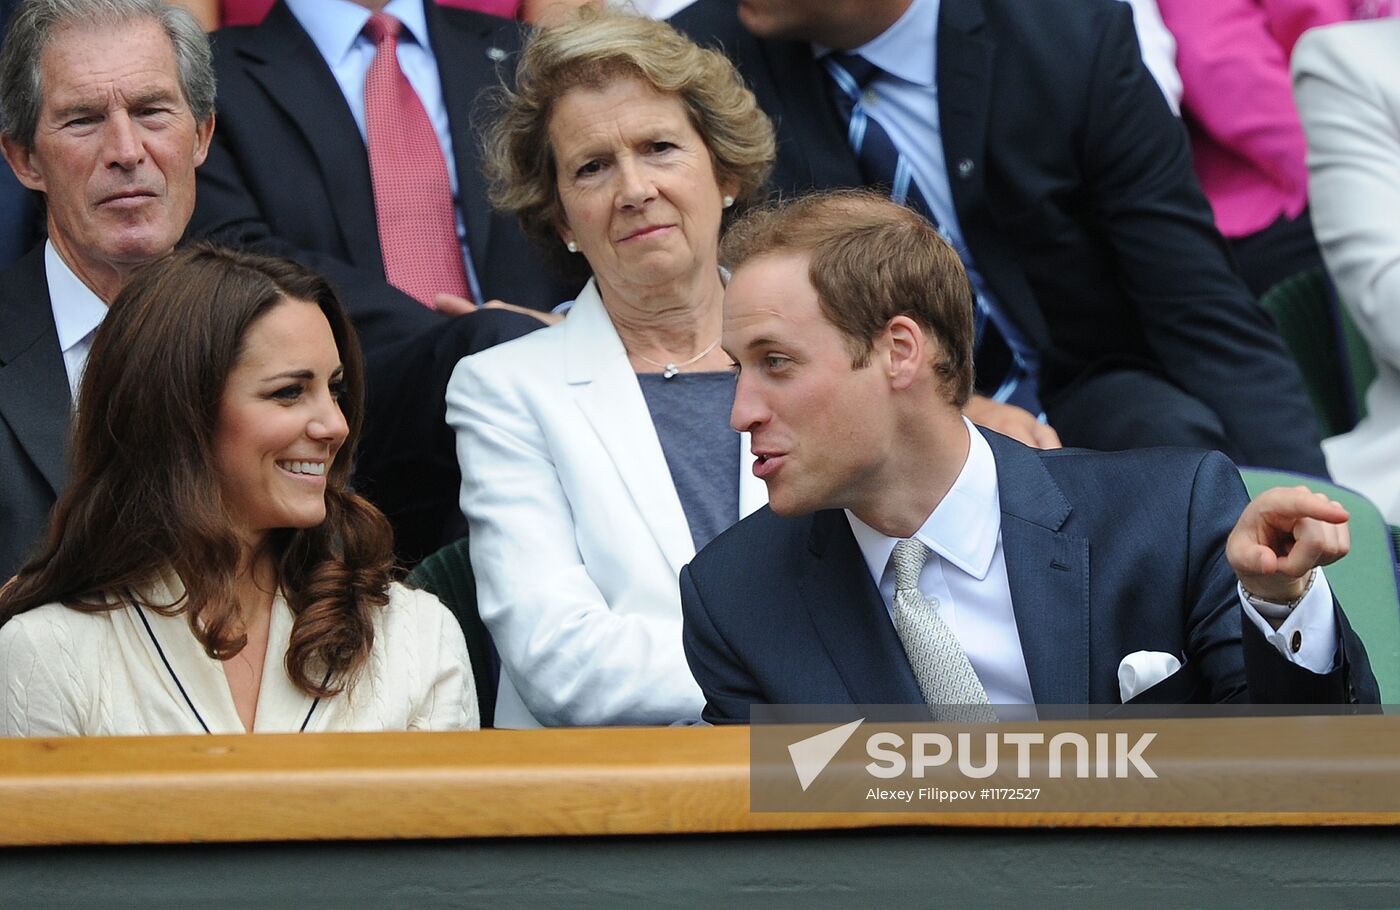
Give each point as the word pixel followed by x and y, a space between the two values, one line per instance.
pixel 940 665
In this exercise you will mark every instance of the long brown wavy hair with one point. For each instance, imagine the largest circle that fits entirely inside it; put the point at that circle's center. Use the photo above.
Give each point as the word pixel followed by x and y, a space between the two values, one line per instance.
pixel 144 498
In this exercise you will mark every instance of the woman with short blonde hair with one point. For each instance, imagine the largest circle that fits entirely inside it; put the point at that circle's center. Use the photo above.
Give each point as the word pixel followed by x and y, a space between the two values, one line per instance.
pixel 596 454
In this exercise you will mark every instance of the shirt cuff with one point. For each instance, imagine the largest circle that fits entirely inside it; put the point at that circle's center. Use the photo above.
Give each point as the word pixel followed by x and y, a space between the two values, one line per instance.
pixel 1308 637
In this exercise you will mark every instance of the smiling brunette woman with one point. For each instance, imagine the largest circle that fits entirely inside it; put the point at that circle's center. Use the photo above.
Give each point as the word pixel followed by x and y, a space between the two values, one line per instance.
pixel 207 569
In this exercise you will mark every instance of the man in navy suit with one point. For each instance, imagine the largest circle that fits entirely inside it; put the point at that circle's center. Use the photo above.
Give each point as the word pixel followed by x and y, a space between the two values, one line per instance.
pixel 1045 151
pixel 850 320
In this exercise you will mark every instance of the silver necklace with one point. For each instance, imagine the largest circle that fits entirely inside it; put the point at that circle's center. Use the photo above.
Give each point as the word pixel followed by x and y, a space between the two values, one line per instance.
pixel 672 368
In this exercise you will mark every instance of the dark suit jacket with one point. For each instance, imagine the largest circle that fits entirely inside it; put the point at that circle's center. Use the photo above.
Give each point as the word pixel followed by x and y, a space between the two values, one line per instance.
pixel 1073 187
pixel 1106 554
pixel 288 171
pixel 34 411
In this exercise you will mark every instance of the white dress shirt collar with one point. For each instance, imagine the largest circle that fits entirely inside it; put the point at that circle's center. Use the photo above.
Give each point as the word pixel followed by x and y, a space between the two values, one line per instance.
pixel 334 25
pixel 963 528
pixel 77 312
pixel 908 49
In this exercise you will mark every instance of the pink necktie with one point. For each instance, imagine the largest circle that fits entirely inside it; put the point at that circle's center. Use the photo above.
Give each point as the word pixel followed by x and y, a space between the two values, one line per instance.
pixel 412 192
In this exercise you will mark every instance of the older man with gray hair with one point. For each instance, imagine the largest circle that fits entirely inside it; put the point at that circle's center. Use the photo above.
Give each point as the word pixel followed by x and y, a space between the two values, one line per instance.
pixel 106 109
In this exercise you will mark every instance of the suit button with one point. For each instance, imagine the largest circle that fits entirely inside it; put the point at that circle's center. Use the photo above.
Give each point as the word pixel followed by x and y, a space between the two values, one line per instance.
pixel 1297 642
pixel 965 168
pixel 495 54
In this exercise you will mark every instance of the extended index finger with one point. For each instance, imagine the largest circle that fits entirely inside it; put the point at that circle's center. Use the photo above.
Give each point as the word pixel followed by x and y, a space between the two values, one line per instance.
pixel 1288 505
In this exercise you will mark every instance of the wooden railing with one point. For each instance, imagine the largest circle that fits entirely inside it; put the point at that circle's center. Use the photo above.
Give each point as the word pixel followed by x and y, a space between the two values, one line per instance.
pixel 548 783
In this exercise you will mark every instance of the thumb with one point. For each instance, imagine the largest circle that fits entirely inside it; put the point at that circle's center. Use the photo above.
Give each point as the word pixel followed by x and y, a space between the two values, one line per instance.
pixel 452 305
pixel 1252 558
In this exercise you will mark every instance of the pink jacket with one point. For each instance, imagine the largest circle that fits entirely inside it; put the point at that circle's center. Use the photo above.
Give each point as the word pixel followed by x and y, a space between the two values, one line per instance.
pixel 1246 138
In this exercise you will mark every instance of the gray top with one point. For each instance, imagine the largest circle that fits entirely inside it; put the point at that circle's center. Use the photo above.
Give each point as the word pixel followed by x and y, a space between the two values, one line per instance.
pixel 691 414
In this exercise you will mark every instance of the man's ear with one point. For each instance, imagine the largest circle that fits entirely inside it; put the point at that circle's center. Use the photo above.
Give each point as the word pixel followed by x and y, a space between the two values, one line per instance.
pixel 203 132
pixel 908 351
pixel 21 160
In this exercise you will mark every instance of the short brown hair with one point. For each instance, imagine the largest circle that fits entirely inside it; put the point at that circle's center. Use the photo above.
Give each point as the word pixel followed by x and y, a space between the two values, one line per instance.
pixel 592 50
pixel 870 260
pixel 144 497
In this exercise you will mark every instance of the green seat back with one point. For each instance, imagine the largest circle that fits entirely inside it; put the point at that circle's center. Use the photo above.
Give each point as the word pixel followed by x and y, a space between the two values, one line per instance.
pixel 1302 309
pixel 1364 580
pixel 1361 368
pixel 448 574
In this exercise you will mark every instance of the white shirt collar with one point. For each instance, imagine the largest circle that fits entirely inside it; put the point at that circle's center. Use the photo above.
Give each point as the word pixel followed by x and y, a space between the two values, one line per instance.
pixel 334 25
pixel 908 49
pixel 77 311
pixel 964 527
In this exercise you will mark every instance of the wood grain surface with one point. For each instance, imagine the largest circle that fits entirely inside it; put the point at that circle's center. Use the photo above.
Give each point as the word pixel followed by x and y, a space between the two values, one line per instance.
pixel 533 783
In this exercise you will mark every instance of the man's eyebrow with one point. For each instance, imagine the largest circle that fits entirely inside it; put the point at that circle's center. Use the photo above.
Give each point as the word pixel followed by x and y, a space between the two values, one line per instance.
pixel 86 106
pixel 82 107
pixel 152 96
pixel 762 341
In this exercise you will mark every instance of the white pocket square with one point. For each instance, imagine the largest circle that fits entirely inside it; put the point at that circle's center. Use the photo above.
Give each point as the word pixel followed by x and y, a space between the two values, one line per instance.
pixel 1141 670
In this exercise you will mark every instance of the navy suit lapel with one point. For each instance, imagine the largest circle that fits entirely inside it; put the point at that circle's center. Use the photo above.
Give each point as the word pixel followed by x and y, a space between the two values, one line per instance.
pixel 964 79
pixel 966 54
pixel 465 60
pixel 850 617
pixel 282 58
pixel 1048 573
pixel 34 397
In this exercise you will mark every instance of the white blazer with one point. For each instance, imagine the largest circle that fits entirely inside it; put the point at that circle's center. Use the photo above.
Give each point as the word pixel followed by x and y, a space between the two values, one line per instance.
pixel 133 671
pixel 1346 79
pixel 577 533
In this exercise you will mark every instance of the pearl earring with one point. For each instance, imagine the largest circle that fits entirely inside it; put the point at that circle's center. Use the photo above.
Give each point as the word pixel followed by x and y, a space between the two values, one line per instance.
pixel 728 200
pixel 571 247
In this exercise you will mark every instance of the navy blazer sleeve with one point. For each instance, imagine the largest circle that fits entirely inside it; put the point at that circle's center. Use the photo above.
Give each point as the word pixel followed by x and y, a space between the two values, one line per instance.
pixel 1197 316
pixel 1225 648
pixel 728 685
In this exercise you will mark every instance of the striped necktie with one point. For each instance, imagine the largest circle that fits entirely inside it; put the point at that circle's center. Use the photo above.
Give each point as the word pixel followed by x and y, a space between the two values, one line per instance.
pixel 1003 359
